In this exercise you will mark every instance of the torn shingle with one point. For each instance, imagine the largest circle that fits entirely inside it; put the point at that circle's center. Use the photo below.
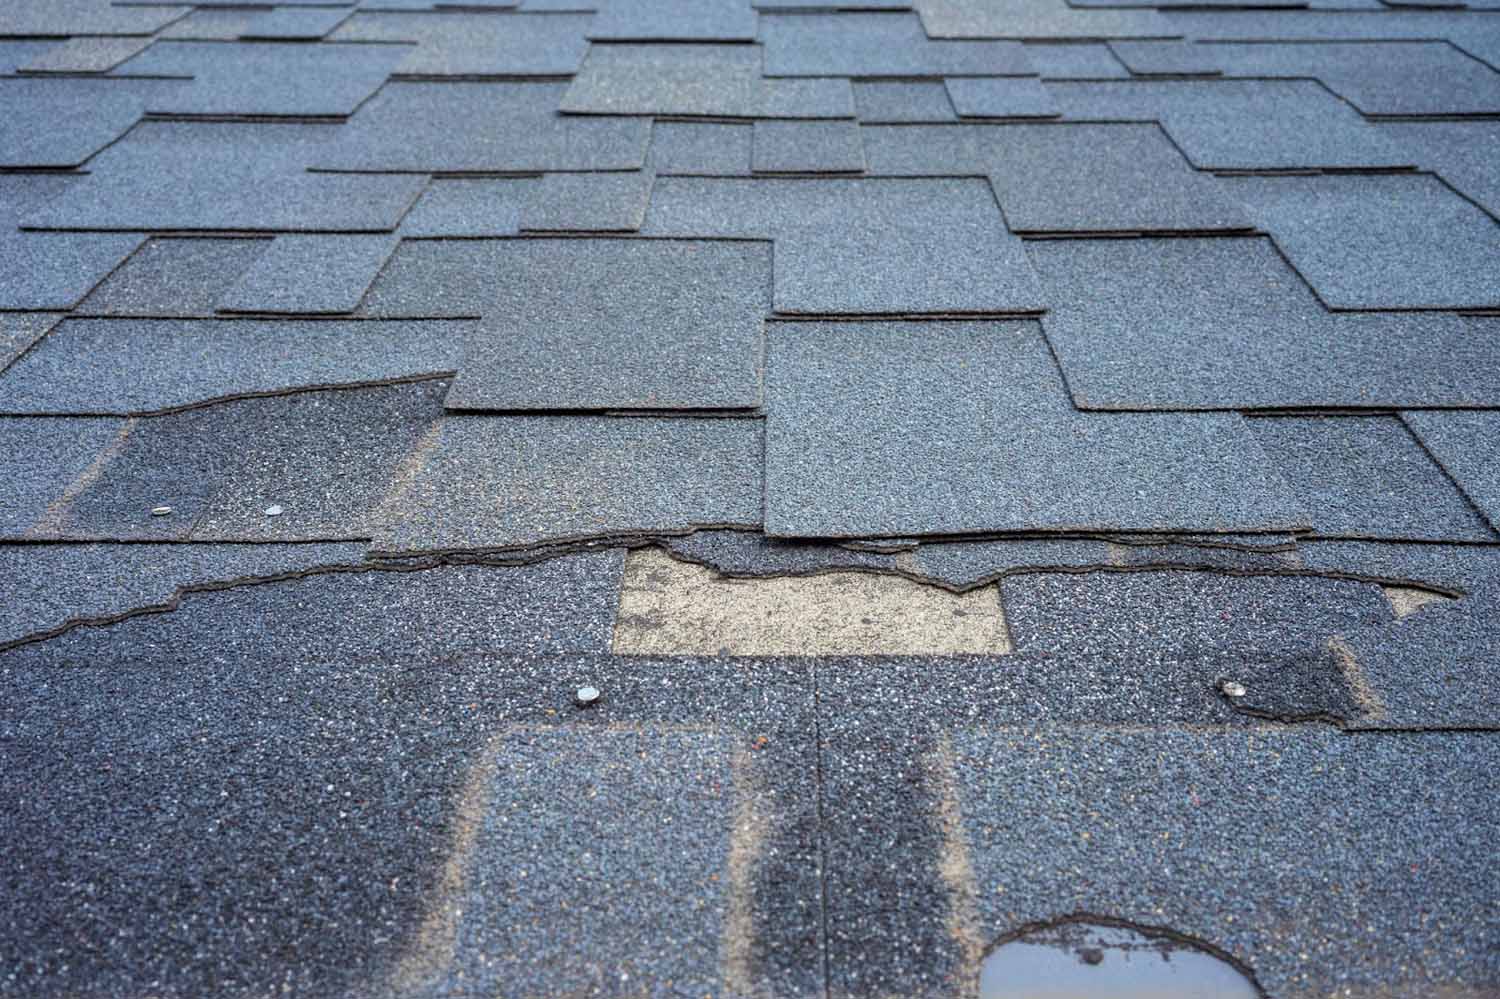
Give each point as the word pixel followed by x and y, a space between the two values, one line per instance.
pixel 578 202
pixel 325 458
pixel 1239 124
pixel 807 147
pixel 40 459
pixel 877 45
pixel 616 324
pixel 309 275
pixel 690 147
pixel 1464 443
pixel 873 428
pixel 202 176
pixel 1066 177
pixel 715 81
pixel 838 251
pixel 261 79
pixel 1227 324
pixel 1367 477
pixel 496 482
pixel 479 127
pixel 1380 242
pixel 465 206
pixel 464 43
pixel 125 366
pixel 173 277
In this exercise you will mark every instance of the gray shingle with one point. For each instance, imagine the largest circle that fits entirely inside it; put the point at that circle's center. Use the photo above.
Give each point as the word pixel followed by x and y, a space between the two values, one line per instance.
pixel 518 481
pixel 587 202
pixel 309 275
pixel 211 24
pixel 1380 242
pixel 715 81
pixel 463 206
pixel 807 147
pixel 302 24
pixel 617 324
pixel 875 45
pixel 1048 19
pixel 265 79
pixel 838 253
pixel 124 366
pixel 1001 97
pixel 468 43
pixel 83 116
pixel 479 127
pixel 674 21
pixel 49 270
pixel 1227 324
pixel 701 148
pixel 1168 58
pixel 39 459
pixel 80 17
pixel 875 429
pixel 880 102
pixel 433 278
pixel 1066 177
pixel 1464 153
pixel 173 277
pixel 1177 808
pixel 53 586
pixel 1075 60
pixel 89 54
pixel 1366 477
pixel 19 330
pixel 326 458
pixel 1464 443
pixel 1239 124
pixel 218 176
pixel 1378 78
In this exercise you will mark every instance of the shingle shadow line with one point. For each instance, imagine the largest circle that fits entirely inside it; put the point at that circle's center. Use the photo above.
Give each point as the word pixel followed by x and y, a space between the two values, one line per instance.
pixel 91 289
pixel 245 119
pixel 897 317
pixel 479 78
pixel 1425 118
pixel 1040 235
pixel 1323 171
pixel 219 400
pixel 207 233
pixel 689 413
pixel 32 346
pixel 558 546
pixel 463 174
pixel 81 74
pixel 575 234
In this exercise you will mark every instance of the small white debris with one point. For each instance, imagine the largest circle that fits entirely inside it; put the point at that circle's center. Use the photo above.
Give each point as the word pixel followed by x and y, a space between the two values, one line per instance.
pixel 161 511
pixel 1232 688
pixel 274 511
pixel 586 696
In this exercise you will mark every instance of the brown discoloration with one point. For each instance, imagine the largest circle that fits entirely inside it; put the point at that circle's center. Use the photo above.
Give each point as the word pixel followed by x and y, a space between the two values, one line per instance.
pixel 955 866
pixel 406 474
pixel 1407 600
pixel 1364 694
pixel 56 516
pixel 674 608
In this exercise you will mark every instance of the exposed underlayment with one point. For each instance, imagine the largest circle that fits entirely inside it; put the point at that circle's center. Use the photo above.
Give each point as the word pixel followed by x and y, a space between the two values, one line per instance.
pixel 749 498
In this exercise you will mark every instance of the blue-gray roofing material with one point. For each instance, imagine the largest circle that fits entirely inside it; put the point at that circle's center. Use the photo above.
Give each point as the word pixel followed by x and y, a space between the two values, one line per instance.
pixel 885 102
pixel 873 429
pixel 616 325
pixel 19 330
pixel 89 54
pixel 1000 97
pixel 587 202
pixel 173 277
pixel 709 148
pixel 1174 57
pixel 33 18
pixel 40 460
pixel 673 21
pixel 460 43
pixel 1461 152
pixel 1227 324
pixel 83 115
pixel 1464 443
pixel 133 366
pixel 1380 242
pixel 1047 19
pixel 876 45
pixel 301 24
pixel 42 270
pixel 469 206
pixel 807 147
pixel 321 274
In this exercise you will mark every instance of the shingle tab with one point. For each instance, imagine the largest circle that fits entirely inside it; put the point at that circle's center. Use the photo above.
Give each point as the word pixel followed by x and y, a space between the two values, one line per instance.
pixel 1367 477
pixel 873 428
pixel 714 81
pixel 88 54
pixel 40 270
pixel 880 102
pixel 83 116
pixel 39 460
pixel 674 21
pixel 202 176
pixel 301 24
pixel 468 44
pixel 1225 124
pixel 691 147
pixel 19 330
pixel 479 127
pixel 616 324
pixel 22 18
pixel 464 206
pixel 309 275
pixel 265 79
pixel 516 481
pixel 587 202
pixel 124 366
pixel 807 147
pixel 1397 241
pixel 1227 324
pixel 875 45
pixel 1001 97
pixel 173 277
pixel 1464 153
pixel 1465 443
pixel 1046 19
pixel 837 252
pixel 1067 177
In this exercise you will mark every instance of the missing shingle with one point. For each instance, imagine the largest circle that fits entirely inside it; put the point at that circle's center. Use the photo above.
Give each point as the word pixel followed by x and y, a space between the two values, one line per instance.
pixel 1407 600
pixel 671 608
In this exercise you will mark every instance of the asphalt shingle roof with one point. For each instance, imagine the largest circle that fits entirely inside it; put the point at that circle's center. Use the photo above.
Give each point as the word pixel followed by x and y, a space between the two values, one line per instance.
pixel 376 374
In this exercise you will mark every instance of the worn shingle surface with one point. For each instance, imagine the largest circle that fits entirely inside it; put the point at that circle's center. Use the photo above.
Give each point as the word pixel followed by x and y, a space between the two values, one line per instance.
pixel 424 424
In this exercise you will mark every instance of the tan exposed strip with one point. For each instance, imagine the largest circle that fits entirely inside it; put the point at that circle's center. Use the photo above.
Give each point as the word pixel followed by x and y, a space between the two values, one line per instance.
pixel 50 524
pixel 955 866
